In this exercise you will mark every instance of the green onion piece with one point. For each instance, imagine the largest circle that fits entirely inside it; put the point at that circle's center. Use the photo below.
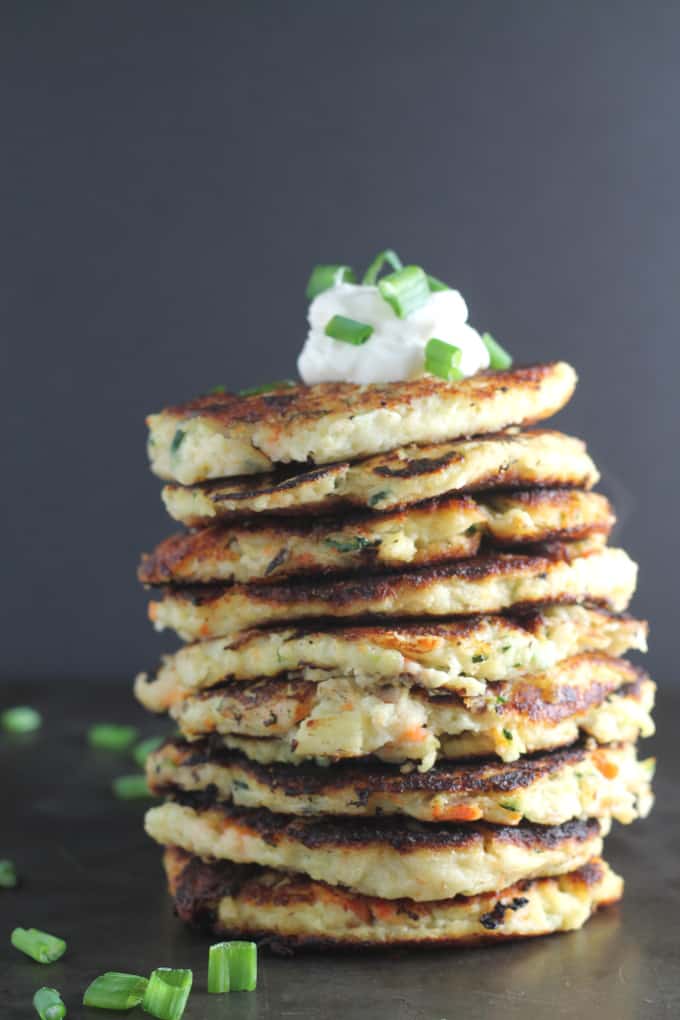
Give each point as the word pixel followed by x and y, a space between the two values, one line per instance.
pixel 40 946
pixel 434 284
pixel 110 737
pixel 373 272
pixel 167 993
pixel 443 360
pixel 280 384
pixel 218 968
pixel 48 1004
pixel 499 359
pixel 22 719
pixel 242 966
pixel 132 787
pixel 114 990
pixel 146 747
pixel 177 441
pixel 217 389
pixel 325 277
pixel 348 330
pixel 405 291
pixel 8 875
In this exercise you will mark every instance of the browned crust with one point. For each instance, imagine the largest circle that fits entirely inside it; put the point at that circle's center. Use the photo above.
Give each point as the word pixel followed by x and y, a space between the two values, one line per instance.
pixel 244 488
pixel 198 886
pixel 369 776
pixel 344 591
pixel 303 404
pixel 206 545
pixel 519 698
pixel 402 632
pixel 402 836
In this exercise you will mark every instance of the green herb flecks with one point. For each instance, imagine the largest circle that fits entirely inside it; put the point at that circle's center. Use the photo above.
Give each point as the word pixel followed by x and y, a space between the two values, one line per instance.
pixel 111 737
pixel 405 291
pixel 22 719
pixel 167 993
pixel 177 440
pixel 389 257
pixel 509 805
pixel 379 497
pixel 499 359
pixel 349 331
pixel 434 284
pixel 351 544
pixel 39 945
pixel 325 277
pixel 133 787
pixel 49 1004
pixel 8 874
pixel 443 360
pixel 114 990
pixel 272 387
pixel 146 747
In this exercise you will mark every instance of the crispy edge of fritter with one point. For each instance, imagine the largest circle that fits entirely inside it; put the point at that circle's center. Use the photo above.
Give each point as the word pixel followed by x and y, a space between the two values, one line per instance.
pixel 203 554
pixel 351 834
pixel 197 888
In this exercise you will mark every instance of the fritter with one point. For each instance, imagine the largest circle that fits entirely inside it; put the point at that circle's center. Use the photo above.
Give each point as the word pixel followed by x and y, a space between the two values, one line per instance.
pixel 386 857
pixel 432 532
pixel 576 572
pixel 341 718
pixel 288 911
pixel 461 655
pixel 222 435
pixel 582 781
pixel 388 481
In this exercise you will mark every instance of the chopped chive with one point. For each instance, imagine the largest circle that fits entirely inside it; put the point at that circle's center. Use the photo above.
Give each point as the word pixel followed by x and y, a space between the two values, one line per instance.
pixel 353 543
pixel 479 658
pixel 114 990
pixel 217 390
pixel 378 497
pixel 508 805
pixel 499 359
pixel 8 875
pixel 22 719
pixel 443 360
pixel 167 993
pixel 146 747
pixel 325 277
pixel 434 284
pixel 218 968
pixel 507 734
pixel 242 966
pixel 177 441
pixel 132 787
pixel 278 384
pixel 373 272
pixel 40 946
pixel 405 291
pixel 49 1004
pixel 348 330
pixel 111 737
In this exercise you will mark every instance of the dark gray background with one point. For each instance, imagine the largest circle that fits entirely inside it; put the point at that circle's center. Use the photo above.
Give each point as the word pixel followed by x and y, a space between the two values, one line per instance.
pixel 171 171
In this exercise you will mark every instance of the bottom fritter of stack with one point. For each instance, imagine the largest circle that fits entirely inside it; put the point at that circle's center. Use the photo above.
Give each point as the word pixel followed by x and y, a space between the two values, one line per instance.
pixel 305 875
pixel 292 910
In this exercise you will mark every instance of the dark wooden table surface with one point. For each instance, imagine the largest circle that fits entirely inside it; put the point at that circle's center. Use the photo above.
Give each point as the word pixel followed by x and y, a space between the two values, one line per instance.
pixel 92 876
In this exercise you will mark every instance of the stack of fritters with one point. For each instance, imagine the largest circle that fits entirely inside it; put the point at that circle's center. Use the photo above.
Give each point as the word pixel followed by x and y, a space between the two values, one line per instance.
pixel 404 713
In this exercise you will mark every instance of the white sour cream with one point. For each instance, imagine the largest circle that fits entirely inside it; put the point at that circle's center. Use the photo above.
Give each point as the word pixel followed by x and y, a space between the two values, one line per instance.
pixel 396 349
